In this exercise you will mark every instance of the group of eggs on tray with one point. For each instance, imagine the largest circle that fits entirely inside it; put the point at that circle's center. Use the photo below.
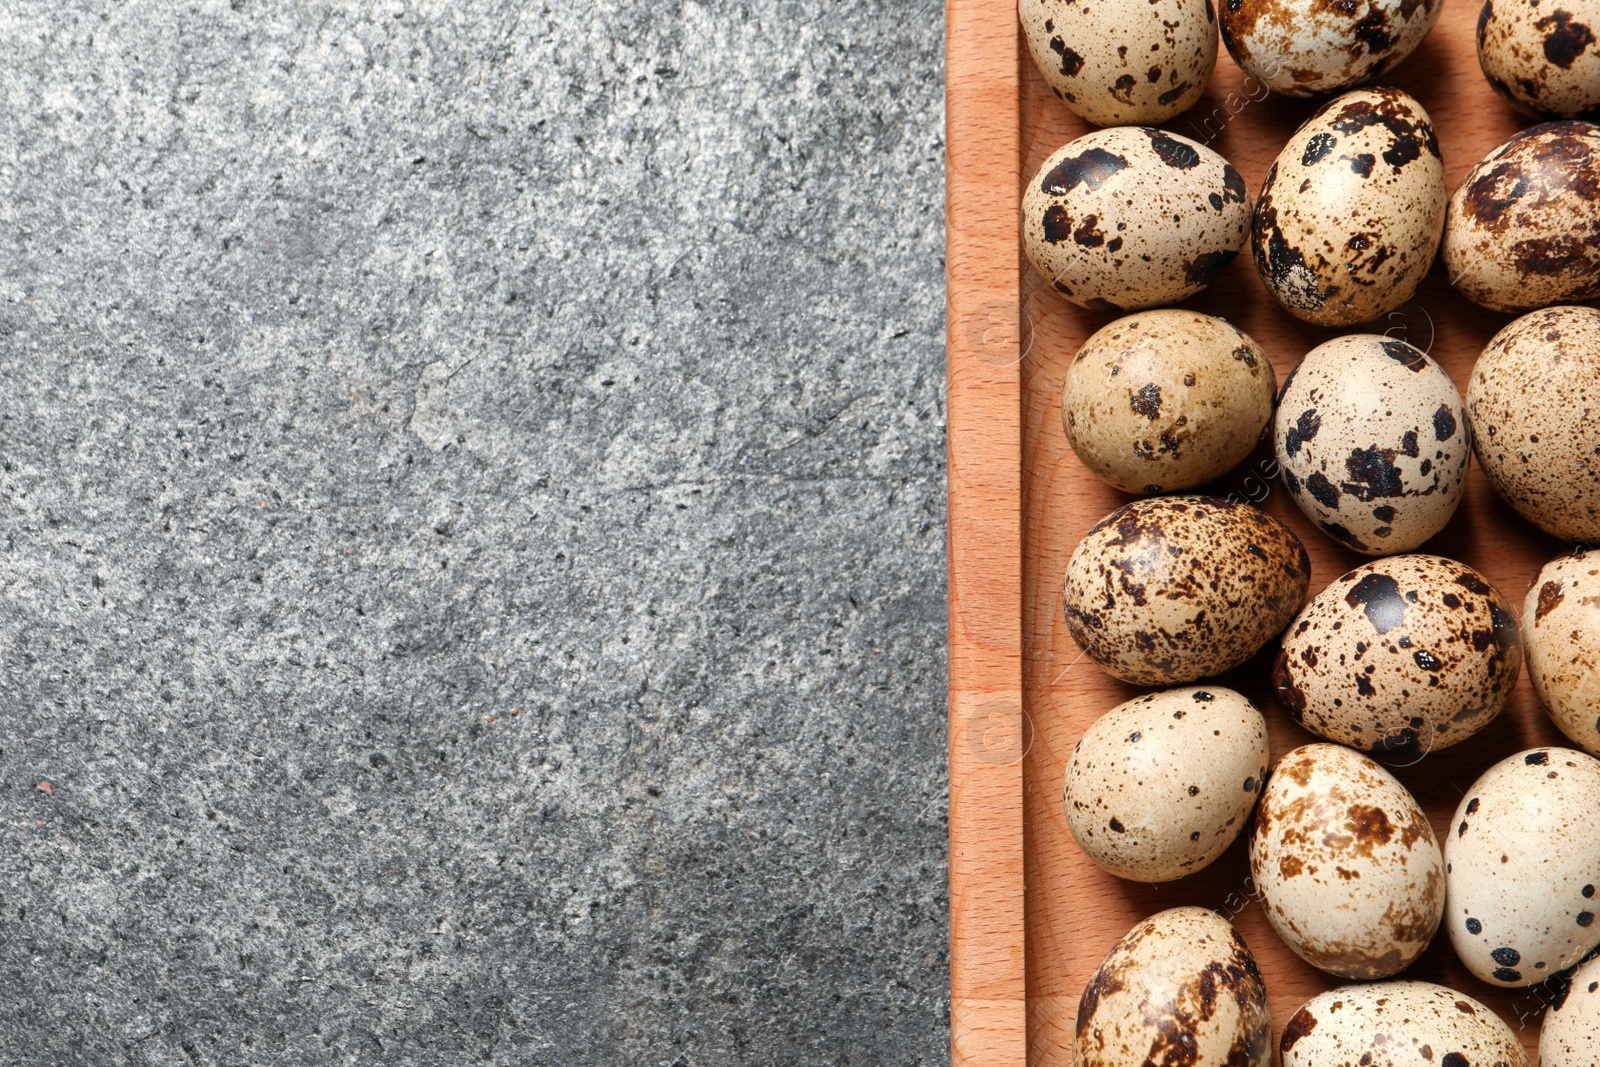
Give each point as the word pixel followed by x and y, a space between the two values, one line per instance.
pixel 1405 655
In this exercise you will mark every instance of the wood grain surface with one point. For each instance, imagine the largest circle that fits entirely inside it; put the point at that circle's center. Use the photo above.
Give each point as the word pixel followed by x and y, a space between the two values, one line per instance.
pixel 1031 916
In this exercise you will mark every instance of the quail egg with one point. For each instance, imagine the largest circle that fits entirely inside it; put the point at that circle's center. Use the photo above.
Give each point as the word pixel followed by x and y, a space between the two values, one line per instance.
pixel 1561 640
pixel 1401 656
pixel 1398 1024
pixel 1570 1036
pixel 1522 863
pixel 1541 55
pixel 1372 440
pixel 1351 213
pixel 1308 47
pixel 1166 399
pixel 1172 589
pixel 1133 217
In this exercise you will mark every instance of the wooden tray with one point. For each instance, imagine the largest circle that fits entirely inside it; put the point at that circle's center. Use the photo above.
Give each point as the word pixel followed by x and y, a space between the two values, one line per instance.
pixel 1030 916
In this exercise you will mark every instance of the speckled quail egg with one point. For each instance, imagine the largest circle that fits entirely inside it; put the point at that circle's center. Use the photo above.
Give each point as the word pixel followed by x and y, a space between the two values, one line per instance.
pixel 1539 55
pixel 1348 869
pixel 1166 399
pixel 1159 787
pixel 1169 590
pixel 1351 213
pixel 1522 227
pixel 1561 641
pixel 1401 656
pixel 1522 861
pixel 1133 217
pixel 1180 987
pixel 1307 47
pixel 1534 403
pixel 1398 1024
pixel 1570 1034
pixel 1122 62
pixel 1371 437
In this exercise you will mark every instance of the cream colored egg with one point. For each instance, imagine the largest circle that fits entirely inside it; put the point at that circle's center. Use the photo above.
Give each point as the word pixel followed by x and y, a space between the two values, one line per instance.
pixel 1398 1024
pixel 1521 229
pixel 1570 1033
pixel 1400 657
pixel 1350 216
pixel 1123 62
pixel 1349 871
pixel 1307 47
pixel 1158 787
pixel 1542 55
pixel 1561 641
pixel 1534 403
pixel 1180 987
pixel 1372 440
pixel 1522 862
pixel 1166 399
pixel 1173 589
pixel 1133 217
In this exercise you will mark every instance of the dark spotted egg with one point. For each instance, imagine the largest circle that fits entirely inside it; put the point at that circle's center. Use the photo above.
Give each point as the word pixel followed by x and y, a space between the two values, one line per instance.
pixel 1561 641
pixel 1159 787
pixel 1347 866
pixel 1172 589
pixel 1133 217
pixel 1181 987
pixel 1351 213
pixel 1372 439
pixel 1400 657
pixel 1309 47
pixel 1398 1024
pixel 1542 56
pixel 1123 62
pixel 1570 1033
pixel 1522 867
pixel 1523 229
pixel 1532 400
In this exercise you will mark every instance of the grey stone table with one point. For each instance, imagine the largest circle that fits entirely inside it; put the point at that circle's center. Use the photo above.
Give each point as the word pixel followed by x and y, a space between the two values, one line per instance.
pixel 471 497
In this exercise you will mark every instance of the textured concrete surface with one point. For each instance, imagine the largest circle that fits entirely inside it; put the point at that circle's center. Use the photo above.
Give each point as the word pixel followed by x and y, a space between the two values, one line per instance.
pixel 471 497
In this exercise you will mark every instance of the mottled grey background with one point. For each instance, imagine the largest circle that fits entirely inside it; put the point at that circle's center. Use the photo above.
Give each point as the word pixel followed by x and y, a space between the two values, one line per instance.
pixel 472 520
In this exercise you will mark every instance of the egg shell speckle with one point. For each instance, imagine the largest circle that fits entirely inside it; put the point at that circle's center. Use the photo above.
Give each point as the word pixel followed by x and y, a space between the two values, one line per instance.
pixel 1351 212
pixel 1522 867
pixel 1398 1024
pixel 1158 787
pixel 1133 217
pixel 1167 399
pixel 1534 403
pixel 1170 590
pixel 1349 871
pixel 1306 47
pixel 1523 228
pixel 1372 440
pixel 1401 656
pixel 1561 642
pixel 1570 1033
pixel 1542 56
pixel 1122 62
pixel 1180 988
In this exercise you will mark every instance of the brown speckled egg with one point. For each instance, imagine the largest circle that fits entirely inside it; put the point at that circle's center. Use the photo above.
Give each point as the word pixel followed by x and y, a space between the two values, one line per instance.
pixel 1398 1024
pixel 1534 403
pixel 1350 215
pixel 1133 217
pixel 1541 55
pixel 1522 863
pixel 1349 871
pixel 1172 589
pixel 1159 787
pixel 1372 439
pixel 1401 656
pixel 1308 47
pixel 1166 399
pixel 1570 1034
pixel 1523 227
pixel 1180 987
pixel 1561 641
pixel 1123 62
